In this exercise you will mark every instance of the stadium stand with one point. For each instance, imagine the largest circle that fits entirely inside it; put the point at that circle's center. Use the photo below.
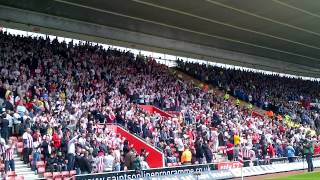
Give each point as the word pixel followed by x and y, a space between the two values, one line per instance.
pixel 54 96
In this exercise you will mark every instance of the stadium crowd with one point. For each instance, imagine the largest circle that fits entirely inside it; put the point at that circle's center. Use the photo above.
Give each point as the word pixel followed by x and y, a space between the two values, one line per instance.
pixel 54 95
pixel 296 98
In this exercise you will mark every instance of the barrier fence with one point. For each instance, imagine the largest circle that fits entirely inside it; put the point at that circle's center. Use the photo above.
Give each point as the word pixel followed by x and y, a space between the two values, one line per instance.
pixel 221 170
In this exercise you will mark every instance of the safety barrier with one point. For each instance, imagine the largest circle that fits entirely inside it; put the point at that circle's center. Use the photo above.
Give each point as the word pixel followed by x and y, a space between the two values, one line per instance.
pixel 223 170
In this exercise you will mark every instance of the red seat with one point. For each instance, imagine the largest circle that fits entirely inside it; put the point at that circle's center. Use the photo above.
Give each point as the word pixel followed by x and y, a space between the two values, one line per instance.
pixel 56 175
pixel 175 164
pixel 41 170
pixel 47 175
pixel 19 178
pixel 65 174
pixel 10 178
pixel 11 173
pixel 73 173
pixel 40 164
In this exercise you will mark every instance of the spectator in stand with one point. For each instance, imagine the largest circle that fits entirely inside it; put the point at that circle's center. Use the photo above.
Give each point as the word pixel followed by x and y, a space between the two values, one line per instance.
pixel 290 153
pixel 4 125
pixel 271 151
pixel 52 162
pixel 109 161
pixel 27 145
pixel 136 164
pixel 230 148
pixel 186 156
pixel 129 158
pixel 199 151
pixel 144 164
pixel 71 153
pixel 8 156
pixel 208 153
pixel 65 90
pixel 36 153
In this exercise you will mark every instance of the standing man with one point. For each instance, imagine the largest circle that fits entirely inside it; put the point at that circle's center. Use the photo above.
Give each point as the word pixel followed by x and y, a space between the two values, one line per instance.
pixel 4 127
pixel 71 152
pixel 27 145
pixel 8 156
pixel 308 152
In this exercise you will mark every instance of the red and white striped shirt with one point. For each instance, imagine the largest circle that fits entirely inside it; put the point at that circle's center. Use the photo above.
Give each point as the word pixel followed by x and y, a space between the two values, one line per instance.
pixel 100 164
pixel 240 156
pixel 27 140
pixel 9 153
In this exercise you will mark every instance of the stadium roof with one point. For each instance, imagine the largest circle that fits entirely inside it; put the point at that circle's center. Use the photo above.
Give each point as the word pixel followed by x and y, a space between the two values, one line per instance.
pixel 278 35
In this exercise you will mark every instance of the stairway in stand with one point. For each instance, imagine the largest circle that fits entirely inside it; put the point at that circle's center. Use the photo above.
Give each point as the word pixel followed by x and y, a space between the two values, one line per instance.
pixel 22 169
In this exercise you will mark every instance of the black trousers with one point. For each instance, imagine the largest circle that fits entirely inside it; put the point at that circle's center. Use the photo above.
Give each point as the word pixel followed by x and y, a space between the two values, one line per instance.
pixel 309 161
pixel 26 153
pixel 5 134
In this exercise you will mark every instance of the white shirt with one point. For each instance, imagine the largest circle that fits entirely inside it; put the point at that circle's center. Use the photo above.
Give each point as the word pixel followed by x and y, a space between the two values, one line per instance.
pixel 144 165
pixel 108 162
pixel 72 146
pixel 180 144
pixel 10 119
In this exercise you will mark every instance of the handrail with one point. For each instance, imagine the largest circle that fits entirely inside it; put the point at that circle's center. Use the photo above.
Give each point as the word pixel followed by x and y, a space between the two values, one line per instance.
pixel 140 138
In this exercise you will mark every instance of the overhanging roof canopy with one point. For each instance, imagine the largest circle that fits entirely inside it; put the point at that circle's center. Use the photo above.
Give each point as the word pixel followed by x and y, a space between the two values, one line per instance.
pixel 286 33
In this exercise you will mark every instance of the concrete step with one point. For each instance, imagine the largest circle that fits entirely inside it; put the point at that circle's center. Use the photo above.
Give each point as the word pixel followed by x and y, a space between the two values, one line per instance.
pixel 17 166
pixel 23 169
pixel 25 172
pixel 31 177
pixel 16 159
pixel 18 162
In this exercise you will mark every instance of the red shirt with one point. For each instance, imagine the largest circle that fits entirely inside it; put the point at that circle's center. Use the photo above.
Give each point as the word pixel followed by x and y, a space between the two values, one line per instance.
pixel 56 140
pixel 271 151
pixel 230 148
